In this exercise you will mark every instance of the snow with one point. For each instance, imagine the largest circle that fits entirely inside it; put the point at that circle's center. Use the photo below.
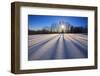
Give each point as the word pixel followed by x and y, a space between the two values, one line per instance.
pixel 57 46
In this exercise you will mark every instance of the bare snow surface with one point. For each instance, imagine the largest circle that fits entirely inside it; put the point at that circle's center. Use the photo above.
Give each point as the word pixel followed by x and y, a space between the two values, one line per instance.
pixel 57 46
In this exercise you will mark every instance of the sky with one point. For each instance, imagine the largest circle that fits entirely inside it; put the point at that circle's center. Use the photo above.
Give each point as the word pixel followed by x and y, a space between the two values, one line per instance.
pixel 36 22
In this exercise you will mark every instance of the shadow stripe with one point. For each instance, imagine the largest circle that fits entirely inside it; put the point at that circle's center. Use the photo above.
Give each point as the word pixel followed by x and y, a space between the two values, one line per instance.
pixel 81 49
pixel 30 51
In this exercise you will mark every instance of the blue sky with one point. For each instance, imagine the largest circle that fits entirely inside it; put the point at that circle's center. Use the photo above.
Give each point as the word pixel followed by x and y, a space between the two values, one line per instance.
pixel 36 22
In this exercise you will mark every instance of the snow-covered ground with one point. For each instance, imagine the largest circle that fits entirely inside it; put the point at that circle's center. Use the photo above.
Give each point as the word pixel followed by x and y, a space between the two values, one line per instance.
pixel 57 46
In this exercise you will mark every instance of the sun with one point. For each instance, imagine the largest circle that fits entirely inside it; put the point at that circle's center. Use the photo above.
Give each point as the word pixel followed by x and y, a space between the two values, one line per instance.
pixel 62 26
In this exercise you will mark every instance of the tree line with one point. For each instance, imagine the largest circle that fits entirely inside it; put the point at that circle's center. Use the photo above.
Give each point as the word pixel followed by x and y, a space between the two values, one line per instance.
pixel 49 30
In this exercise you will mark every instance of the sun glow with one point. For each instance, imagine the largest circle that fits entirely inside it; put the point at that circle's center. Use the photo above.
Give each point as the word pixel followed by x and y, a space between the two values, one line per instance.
pixel 62 26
